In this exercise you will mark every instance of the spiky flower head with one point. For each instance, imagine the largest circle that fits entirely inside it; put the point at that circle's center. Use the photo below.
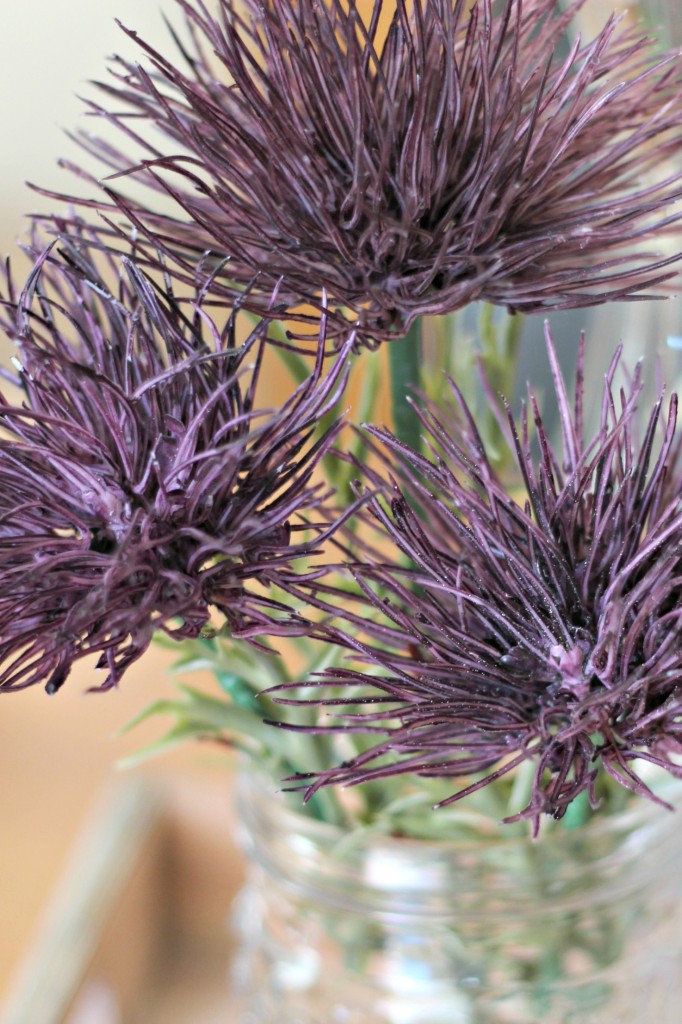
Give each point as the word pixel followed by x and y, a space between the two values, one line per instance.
pixel 540 626
pixel 455 153
pixel 141 487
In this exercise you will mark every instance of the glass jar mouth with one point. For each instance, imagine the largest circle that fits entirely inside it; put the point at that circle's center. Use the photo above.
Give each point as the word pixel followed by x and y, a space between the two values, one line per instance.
pixel 581 925
pixel 603 861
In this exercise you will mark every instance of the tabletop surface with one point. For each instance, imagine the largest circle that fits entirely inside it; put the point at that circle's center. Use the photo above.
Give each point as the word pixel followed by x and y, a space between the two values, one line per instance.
pixel 56 755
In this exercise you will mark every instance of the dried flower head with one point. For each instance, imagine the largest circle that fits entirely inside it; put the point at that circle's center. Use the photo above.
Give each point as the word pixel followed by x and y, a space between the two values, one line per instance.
pixel 460 155
pixel 542 626
pixel 140 485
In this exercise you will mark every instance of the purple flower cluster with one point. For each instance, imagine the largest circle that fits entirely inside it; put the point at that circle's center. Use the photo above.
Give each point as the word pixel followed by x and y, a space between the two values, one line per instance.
pixel 542 625
pixel 141 487
pixel 385 168
pixel 403 165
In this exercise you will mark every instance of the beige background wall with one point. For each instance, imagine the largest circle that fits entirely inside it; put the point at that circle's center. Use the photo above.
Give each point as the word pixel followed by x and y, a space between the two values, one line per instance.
pixel 48 52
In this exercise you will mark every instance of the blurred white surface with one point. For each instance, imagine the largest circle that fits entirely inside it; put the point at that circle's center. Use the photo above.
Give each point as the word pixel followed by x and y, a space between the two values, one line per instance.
pixel 48 54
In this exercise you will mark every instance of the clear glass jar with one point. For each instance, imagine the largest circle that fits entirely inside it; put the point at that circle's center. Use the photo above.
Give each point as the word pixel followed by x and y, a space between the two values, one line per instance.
pixel 581 927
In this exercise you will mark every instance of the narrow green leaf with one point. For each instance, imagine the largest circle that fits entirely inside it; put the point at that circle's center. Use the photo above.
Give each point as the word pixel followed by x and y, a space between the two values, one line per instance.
pixel 238 690
pixel 405 359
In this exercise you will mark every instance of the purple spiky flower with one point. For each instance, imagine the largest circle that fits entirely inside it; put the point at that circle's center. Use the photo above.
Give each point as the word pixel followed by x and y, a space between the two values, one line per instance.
pixel 141 487
pixel 404 165
pixel 540 625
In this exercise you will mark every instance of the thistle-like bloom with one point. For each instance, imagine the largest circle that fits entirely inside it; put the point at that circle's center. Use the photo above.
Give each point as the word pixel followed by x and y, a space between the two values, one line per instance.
pixel 541 626
pixel 141 488
pixel 405 169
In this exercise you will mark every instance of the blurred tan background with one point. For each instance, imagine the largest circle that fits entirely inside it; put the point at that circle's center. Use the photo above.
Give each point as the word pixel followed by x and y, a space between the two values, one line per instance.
pixel 57 753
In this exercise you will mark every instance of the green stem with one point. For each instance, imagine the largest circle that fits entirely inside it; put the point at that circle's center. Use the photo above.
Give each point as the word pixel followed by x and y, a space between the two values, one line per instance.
pixel 405 359
pixel 512 339
pixel 499 353
pixel 500 350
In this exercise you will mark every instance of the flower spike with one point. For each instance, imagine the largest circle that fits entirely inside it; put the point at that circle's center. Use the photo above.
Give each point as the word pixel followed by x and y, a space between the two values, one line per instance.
pixel 141 486
pixel 543 625
pixel 406 165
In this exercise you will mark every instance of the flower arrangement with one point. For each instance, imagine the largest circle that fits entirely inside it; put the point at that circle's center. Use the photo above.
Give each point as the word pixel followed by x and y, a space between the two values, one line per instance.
pixel 459 610
pixel 361 174
pixel 394 168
